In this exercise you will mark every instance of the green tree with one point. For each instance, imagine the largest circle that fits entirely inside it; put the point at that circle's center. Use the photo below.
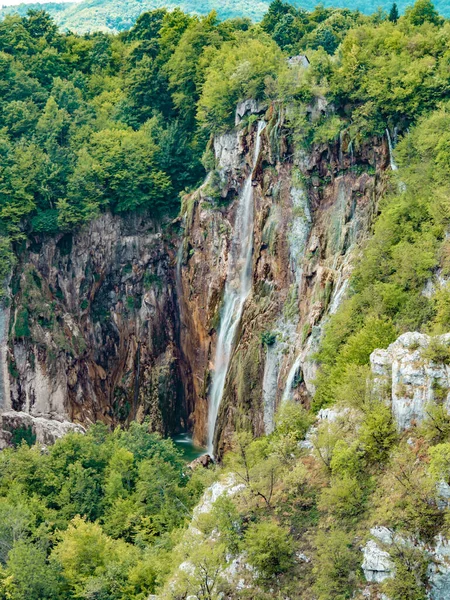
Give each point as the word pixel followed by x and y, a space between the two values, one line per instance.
pixel 393 14
pixel 33 576
pixel 237 72
pixel 269 547
pixel 186 68
pixel 335 566
pixel 119 171
pixel 423 11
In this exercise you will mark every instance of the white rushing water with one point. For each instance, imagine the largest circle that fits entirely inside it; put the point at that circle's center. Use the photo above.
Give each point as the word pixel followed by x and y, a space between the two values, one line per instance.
pixel 4 374
pixel 237 289
pixel 391 154
pixel 291 378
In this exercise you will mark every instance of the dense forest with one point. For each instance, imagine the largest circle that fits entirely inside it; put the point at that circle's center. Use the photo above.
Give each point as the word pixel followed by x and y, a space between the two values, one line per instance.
pixel 124 123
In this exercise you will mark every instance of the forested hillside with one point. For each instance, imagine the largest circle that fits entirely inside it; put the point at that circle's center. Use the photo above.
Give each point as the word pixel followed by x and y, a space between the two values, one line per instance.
pixel 121 122
pixel 126 126
pixel 107 15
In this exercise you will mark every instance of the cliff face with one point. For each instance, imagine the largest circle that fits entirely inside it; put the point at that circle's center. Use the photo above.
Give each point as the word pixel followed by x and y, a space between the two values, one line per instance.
pixel 120 320
pixel 94 327
pixel 312 210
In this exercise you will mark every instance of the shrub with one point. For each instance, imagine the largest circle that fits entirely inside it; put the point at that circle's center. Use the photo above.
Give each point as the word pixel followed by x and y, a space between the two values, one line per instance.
pixel 269 547
pixel 22 325
pixel 268 338
pixel 437 352
pixel 335 566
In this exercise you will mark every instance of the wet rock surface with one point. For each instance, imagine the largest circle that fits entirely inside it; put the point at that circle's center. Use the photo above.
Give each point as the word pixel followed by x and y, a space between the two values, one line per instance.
pixel 101 338
pixel 311 211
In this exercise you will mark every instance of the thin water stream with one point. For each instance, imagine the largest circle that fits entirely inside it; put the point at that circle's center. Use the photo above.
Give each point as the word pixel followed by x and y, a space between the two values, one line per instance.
pixel 391 151
pixel 237 288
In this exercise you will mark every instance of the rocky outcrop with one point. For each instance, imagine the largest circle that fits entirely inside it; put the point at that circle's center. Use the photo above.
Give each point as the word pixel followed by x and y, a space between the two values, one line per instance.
pixel 18 426
pixel 312 209
pixel 94 332
pixel 415 371
pixel 378 565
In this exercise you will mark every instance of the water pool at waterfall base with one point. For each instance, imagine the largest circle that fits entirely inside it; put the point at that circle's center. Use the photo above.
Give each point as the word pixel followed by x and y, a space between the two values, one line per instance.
pixel 189 450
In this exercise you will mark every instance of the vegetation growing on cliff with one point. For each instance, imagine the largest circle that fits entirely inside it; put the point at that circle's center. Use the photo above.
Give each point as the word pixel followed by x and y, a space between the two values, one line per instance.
pixel 120 123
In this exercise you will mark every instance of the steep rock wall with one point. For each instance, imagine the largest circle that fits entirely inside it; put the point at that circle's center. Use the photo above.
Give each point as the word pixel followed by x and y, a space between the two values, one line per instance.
pixel 119 321
pixel 415 372
pixel 312 211
pixel 93 327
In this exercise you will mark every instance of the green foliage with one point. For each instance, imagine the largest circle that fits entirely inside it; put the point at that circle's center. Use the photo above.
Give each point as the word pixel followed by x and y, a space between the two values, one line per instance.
pixel 23 434
pixel 82 517
pixel 327 130
pixel 437 352
pixel 423 11
pixel 34 577
pixel 393 13
pixel 238 71
pixel 293 420
pixel 440 461
pixel 269 548
pixel 22 324
pixel 436 427
pixel 410 578
pixel 268 338
pixel 335 567
pixel 378 433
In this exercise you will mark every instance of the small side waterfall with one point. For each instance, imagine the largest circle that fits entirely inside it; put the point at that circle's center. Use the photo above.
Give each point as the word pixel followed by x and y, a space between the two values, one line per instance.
pixel 286 326
pixel 4 373
pixel 237 288
pixel 291 378
pixel 178 267
pixel 391 151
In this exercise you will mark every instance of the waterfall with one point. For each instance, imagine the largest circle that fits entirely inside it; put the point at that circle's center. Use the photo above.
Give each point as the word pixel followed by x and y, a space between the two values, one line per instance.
pixel 237 289
pixel 391 155
pixel 290 378
pixel 4 372
pixel 285 328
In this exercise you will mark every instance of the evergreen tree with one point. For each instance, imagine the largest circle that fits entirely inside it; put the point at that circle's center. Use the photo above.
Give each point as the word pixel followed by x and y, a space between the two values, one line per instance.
pixel 393 15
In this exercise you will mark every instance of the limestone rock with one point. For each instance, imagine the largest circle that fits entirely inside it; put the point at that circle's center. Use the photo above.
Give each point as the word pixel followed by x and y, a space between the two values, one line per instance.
pixel 439 570
pixel 110 348
pixel 249 107
pixel 377 564
pixel 45 430
pixel 227 151
pixel 203 461
pixel 411 378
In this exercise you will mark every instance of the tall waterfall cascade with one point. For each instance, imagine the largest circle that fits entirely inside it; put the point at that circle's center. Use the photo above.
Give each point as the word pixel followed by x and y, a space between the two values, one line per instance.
pixel 237 288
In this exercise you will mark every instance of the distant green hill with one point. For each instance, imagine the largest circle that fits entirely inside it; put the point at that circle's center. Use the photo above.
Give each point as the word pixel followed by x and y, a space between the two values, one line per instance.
pixel 111 15
pixel 54 8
